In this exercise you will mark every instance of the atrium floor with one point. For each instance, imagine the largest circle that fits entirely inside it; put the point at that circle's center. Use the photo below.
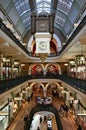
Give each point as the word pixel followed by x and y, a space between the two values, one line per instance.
pixel 18 123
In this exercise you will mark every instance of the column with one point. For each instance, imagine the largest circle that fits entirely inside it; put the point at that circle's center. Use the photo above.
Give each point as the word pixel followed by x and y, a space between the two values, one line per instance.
pixel 44 91
pixel 12 73
pixel 26 91
pixel 69 70
pixel 44 71
pixel 1 67
pixel 76 66
pixel 9 115
pixel 85 68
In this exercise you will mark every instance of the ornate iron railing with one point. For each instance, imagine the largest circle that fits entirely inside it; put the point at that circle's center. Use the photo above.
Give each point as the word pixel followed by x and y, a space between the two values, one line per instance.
pixel 74 82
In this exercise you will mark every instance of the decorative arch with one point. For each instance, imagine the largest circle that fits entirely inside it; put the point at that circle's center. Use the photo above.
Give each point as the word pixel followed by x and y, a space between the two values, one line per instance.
pixel 43 67
pixel 53 66
pixel 32 84
pixel 34 67
pixel 36 83
pixel 57 84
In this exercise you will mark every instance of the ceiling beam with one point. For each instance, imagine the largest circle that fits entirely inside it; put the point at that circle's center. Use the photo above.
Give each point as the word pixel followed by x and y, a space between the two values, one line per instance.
pixel 32 5
pixel 54 5
pixel 11 4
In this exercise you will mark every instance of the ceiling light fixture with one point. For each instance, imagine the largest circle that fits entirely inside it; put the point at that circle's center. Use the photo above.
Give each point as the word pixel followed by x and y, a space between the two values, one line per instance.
pixel 80 59
pixel 24 44
pixel 76 24
pixel 65 64
pixel 72 62
pixel 22 65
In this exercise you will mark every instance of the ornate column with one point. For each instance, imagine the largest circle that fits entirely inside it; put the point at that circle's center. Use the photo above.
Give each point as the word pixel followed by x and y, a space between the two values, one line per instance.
pixel 44 91
pixel 44 71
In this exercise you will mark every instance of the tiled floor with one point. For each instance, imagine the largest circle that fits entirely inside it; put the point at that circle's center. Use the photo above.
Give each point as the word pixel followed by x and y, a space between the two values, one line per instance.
pixel 18 123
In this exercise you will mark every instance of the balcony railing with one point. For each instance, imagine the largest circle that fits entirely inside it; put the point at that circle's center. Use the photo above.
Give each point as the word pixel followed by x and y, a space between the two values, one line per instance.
pixel 10 34
pixel 48 108
pixel 76 83
pixel 6 85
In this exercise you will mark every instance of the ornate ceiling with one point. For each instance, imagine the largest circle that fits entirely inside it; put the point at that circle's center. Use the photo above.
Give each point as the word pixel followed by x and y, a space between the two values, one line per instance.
pixel 67 13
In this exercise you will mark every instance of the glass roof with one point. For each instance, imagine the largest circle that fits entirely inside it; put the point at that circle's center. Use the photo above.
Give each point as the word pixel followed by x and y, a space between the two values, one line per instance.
pixel 63 8
pixel 43 6
pixel 24 11
pixel 60 18
pixel 66 12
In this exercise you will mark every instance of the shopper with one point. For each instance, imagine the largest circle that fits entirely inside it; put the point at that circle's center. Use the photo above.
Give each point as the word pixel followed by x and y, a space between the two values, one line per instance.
pixel 40 119
pixel 26 118
pixel 79 127
pixel 38 128
pixel 65 108
pixel 61 111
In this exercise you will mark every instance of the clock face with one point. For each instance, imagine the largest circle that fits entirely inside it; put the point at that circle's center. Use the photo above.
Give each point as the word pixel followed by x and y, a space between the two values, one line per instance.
pixel 42 45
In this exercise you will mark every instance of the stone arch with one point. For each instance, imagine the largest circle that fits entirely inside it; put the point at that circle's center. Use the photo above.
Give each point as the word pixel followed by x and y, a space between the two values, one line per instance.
pixel 34 83
pixel 58 85
pixel 50 89
pixel 38 84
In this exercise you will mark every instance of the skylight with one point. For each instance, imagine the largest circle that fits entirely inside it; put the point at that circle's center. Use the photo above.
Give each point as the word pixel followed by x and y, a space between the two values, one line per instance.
pixel 64 6
pixel 24 10
pixel 43 6
pixel 62 12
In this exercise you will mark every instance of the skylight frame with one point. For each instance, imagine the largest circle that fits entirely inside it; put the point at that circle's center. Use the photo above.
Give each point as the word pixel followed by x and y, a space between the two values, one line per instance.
pixel 43 6
pixel 24 10
pixel 64 6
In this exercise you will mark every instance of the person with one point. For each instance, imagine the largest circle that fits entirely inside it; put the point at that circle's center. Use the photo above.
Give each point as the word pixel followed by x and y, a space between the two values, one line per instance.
pixel 79 127
pixel 26 118
pixel 40 119
pixel 45 118
pixel 65 108
pixel 71 106
pixel 38 128
pixel 61 110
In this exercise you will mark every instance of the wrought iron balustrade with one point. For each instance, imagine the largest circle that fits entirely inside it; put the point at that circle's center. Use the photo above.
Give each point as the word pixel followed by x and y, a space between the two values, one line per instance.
pixel 74 82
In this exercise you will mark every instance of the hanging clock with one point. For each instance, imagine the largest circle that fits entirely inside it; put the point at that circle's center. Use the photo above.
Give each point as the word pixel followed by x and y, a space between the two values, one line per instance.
pixel 42 45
